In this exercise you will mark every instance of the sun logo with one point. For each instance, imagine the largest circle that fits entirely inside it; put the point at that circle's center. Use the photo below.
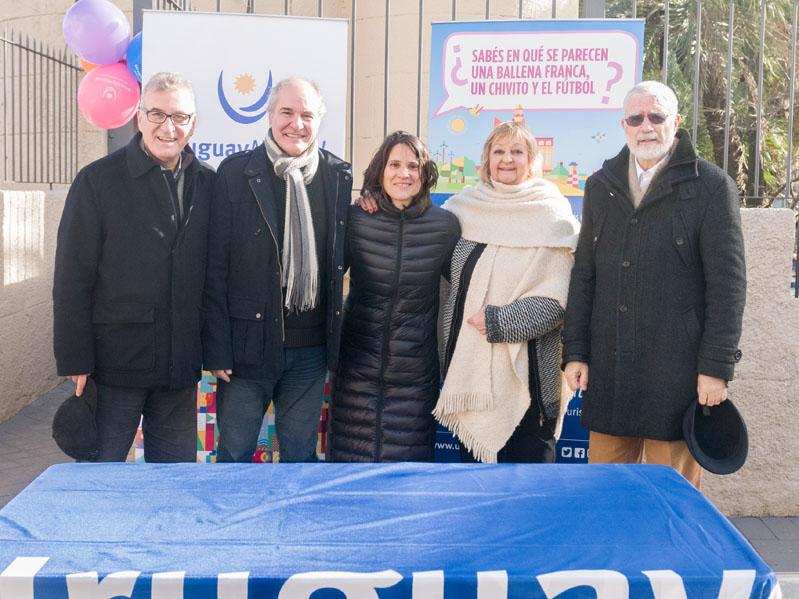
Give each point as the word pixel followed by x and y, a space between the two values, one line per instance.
pixel 244 84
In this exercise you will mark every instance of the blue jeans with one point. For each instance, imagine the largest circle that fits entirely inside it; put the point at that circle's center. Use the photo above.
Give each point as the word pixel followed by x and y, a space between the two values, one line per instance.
pixel 241 404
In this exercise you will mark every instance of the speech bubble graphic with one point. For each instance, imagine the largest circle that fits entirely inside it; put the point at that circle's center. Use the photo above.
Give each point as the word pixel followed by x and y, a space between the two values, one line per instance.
pixel 562 70
pixel 613 80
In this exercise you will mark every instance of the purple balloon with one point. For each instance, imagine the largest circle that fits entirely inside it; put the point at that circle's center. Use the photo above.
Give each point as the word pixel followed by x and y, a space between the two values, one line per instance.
pixel 97 31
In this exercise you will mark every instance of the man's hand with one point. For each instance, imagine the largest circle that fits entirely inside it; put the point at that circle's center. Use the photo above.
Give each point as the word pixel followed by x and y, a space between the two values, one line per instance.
pixel 366 202
pixel 576 375
pixel 223 374
pixel 710 391
pixel 478 320
pixel 80 382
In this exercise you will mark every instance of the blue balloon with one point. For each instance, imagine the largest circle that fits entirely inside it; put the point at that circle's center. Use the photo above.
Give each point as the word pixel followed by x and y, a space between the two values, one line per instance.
pixel 133 57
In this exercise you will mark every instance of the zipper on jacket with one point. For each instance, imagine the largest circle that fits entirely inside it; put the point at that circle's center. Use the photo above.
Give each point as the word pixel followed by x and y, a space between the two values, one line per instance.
pixel 279 269
pixel 535 379
pixel 172 202
pixel 384 354
pixel 331 288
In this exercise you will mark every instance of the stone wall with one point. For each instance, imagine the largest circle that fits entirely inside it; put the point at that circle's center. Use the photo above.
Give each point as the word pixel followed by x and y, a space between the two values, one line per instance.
pixel 27 250
pixel 766 385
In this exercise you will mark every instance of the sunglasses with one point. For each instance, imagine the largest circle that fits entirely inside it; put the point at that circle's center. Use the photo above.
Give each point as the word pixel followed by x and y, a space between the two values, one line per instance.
pixel 656 118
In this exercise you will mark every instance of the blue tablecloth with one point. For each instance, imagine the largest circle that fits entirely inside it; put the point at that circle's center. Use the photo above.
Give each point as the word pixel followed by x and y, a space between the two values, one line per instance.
pixel 427 531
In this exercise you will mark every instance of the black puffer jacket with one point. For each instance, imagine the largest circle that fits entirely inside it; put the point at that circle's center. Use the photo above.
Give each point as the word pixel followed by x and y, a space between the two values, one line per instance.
pixel 388 375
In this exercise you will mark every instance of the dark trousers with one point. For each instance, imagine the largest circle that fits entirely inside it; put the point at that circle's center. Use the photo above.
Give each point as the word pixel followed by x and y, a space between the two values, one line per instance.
pixel 169 423
pixel 531 442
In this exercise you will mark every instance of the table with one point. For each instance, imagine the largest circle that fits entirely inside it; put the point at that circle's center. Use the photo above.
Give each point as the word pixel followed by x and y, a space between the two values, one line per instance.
pixel 426 531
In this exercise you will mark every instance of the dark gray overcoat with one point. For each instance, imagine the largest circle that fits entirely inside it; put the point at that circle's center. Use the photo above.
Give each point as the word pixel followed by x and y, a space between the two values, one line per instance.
pixel 657 293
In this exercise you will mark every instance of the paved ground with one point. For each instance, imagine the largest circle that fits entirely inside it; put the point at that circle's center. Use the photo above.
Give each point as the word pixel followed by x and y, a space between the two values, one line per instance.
pixel 27 449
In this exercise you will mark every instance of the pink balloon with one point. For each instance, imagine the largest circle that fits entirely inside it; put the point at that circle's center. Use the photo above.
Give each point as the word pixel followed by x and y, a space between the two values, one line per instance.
pixel 108 96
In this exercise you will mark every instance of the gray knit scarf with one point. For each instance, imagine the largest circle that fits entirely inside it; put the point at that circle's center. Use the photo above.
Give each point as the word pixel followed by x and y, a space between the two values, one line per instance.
pixel 300 267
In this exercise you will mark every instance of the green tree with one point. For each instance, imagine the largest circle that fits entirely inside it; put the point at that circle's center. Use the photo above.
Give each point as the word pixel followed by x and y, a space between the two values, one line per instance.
pixel 713 53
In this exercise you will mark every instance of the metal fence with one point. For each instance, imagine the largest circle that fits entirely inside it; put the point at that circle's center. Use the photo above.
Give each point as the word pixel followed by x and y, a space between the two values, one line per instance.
pixel 746 49
pixel 39 127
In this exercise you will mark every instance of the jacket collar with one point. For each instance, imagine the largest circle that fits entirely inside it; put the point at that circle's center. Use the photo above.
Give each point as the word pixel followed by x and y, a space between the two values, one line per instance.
pixel 259 163
pixel 682 165
pixel 139 163
pixel 414 210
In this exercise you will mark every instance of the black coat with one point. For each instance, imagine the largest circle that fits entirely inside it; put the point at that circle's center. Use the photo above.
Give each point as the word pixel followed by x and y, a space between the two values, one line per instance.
pixel 243 299
pixel 657 293
pixel 128 281
pixel 388 377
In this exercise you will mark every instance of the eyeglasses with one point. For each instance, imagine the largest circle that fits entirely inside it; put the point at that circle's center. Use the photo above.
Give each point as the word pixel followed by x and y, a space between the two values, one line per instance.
pixel 656 118
pixel 159 116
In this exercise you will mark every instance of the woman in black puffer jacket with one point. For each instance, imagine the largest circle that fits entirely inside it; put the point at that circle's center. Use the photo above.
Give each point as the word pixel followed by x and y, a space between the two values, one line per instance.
pixel 388 377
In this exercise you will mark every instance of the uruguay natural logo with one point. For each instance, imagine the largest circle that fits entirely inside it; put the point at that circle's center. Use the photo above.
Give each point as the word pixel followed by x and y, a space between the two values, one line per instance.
pixel 245 84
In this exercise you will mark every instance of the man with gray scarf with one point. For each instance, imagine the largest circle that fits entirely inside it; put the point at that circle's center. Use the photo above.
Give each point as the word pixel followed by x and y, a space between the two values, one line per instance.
pixel 274 281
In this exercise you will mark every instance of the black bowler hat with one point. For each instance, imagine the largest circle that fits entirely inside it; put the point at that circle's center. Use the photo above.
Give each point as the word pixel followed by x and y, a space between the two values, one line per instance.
pixel 75 425
pixel 716 436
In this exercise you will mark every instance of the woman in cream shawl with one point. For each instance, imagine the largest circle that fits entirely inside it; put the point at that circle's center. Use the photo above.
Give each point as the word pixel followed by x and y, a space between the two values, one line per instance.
pixel 501 321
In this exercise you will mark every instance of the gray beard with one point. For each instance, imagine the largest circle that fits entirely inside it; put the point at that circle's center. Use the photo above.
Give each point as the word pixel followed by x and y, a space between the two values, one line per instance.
pixel 650 152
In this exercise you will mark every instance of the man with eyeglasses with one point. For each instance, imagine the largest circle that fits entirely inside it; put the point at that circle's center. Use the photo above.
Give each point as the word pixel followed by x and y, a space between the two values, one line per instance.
pixel 657 291
pixel 129 272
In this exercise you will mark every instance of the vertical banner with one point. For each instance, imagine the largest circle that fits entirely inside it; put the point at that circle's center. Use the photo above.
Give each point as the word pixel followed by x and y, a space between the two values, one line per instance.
pixel 233 60
pixel 565 79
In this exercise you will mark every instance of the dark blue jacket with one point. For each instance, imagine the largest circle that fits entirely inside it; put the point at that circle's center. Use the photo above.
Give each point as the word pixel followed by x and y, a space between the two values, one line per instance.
pixel 128 281
pixel 243 299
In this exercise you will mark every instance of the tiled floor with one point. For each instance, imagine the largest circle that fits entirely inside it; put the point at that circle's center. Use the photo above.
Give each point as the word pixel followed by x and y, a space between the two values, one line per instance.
pixel 28 449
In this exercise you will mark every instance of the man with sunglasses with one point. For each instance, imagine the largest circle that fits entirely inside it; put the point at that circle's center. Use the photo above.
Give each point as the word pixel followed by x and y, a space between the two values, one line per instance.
pixel 657 291
pixel 129 272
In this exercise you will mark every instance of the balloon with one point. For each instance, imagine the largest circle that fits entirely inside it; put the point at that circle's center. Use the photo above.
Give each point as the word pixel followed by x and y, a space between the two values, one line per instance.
pixel 133 56
pixel 108 96
pixel 86 65
pixel 97 31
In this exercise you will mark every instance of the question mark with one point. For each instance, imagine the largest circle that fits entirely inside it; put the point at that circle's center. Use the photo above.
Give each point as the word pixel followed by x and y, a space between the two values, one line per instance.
pixel 456 79
pixel 613 80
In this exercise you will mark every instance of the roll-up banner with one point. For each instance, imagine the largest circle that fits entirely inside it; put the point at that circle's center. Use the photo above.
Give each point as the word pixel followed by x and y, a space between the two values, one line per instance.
pixel 233 60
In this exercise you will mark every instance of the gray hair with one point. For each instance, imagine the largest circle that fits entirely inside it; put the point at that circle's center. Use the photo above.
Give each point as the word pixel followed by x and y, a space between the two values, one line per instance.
pixel 664 95
pixel 166 81
pixel 272 102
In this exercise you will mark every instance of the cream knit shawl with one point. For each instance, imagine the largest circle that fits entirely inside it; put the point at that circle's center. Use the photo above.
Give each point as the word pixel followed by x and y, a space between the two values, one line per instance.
pixel 530 234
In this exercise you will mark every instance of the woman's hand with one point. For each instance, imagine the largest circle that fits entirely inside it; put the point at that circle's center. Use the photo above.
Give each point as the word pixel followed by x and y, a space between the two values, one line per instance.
pixel 366 202
pixel 478 320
